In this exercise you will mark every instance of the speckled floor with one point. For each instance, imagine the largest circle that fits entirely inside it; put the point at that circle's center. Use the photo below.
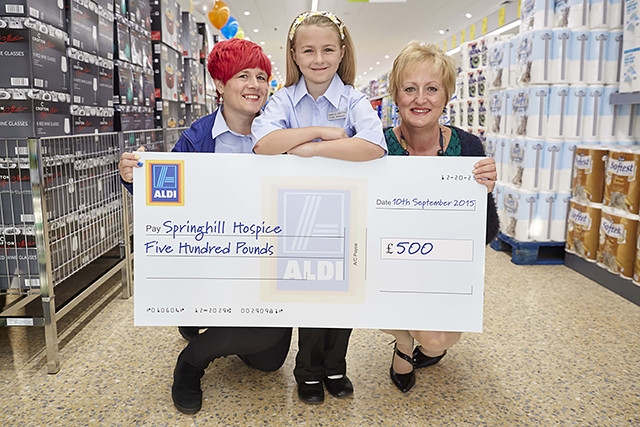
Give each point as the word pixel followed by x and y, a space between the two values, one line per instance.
pixel 557 350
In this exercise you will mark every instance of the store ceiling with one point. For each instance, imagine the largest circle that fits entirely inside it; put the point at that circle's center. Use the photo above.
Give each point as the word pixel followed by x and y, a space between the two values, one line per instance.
pixel 378 29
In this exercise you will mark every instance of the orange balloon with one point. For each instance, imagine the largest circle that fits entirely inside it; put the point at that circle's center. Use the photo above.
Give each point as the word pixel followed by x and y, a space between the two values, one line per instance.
pixel 219 14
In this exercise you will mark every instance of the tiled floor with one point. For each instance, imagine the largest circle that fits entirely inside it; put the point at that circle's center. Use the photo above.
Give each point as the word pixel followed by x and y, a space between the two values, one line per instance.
pixel 557 350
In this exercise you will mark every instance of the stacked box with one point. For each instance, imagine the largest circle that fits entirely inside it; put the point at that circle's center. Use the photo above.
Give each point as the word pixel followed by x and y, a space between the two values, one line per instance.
pixel 28 113
pixel 84 77
pixel 47 11
pixel 92 119
pixel 105 92
pixel 166 23
pixel 33 56
pixel 83 25
pixel 191 39
pixel 194 82
pixel 106 37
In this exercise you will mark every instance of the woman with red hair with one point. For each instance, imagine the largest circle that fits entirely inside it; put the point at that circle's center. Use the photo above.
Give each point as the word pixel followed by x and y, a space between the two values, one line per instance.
pixel 240 71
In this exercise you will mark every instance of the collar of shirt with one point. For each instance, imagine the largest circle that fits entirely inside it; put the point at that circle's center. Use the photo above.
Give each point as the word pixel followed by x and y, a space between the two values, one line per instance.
pixel 332 94
pixel 220 126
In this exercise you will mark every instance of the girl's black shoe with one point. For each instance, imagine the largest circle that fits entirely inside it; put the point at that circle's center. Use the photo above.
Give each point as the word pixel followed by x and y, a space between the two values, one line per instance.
pixel 404 382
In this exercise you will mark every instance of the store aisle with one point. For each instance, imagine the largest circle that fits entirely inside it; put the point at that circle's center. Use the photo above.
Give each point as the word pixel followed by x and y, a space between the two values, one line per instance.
pixel 557 349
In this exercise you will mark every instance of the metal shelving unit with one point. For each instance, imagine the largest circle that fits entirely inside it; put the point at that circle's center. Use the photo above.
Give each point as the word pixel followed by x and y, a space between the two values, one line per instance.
pixel 63 208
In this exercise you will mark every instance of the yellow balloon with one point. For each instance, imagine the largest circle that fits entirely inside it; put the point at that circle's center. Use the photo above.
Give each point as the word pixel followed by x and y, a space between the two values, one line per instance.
pixel 239 34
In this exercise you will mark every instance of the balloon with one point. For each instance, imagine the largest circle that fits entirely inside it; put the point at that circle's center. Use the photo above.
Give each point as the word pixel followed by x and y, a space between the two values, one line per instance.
pixel 219 15
pixel 274 83
pixel 202 6
pixel 230 29
pixel 239 34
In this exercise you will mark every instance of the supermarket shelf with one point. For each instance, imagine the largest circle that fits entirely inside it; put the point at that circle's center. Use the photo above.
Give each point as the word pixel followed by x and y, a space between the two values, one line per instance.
pixel 623 287
pixel 624 98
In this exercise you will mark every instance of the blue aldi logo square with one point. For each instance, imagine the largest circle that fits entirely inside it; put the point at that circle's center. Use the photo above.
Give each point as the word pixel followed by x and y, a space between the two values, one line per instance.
pixel 165 183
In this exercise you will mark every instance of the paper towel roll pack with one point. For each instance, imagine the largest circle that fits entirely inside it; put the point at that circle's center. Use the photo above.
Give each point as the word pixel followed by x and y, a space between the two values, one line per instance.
pixel 589 164
pixel 520 208
pixel 622 182
pixel 551 216
pixel 551 165
pixel 617 241
pixel 583 229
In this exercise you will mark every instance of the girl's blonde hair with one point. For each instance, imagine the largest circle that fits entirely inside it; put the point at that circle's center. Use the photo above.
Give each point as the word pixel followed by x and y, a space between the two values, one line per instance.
pixel 347 68
pixel 418 52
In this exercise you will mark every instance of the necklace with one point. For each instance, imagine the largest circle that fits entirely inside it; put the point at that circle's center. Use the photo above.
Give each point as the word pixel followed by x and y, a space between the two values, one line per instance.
pixel 403 143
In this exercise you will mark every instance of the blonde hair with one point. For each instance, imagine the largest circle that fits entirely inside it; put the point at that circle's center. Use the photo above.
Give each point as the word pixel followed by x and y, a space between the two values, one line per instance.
pixel 346 69
pixel 418 52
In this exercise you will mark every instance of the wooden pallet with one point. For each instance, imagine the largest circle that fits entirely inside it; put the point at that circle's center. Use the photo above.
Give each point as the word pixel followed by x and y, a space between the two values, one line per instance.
pixel 530 253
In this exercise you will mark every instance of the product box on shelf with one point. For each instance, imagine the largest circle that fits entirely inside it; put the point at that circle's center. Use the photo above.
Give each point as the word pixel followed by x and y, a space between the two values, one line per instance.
pixel 34 113
pixel 106 4
pixel 106 36
pixel 193 82
pixel 132 117
pixel 166 23
pixel 191 39
pixel 47 11
pixel 105 92
pixel 140 13
pixel 168 69
pixel 203 30
pixel 123 85
pixel 121 7
pixel 19 269
pixel 84 77
pixel 123 39
pixel 87 119
pixel 148 88
pixel 33 55
pixel 194 112
pixel 141 47
pixel 83 25
pixel 170 114
pixel 15 191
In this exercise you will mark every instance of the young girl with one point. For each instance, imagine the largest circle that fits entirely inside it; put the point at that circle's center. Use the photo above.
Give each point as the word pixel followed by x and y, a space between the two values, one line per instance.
pixel 319 113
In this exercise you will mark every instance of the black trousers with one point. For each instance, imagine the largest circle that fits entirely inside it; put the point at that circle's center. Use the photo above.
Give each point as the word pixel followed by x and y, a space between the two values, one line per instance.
pixel 262 348
pixel 321 352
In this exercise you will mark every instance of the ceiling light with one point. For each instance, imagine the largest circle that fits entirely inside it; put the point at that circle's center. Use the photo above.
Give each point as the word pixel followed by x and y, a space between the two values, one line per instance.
pixel 377 62
pixel 247 13
pixel 262 43
pixel 255 30
pixel 386 57
pixel 442 31
pixel 468 15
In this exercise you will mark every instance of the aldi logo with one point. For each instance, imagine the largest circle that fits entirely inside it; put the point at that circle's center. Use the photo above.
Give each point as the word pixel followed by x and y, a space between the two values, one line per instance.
pixel 165 183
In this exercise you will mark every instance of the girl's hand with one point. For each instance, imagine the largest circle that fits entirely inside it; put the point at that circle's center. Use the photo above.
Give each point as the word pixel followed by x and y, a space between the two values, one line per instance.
pixel 485 173
pixel 328 133
pixel 128 161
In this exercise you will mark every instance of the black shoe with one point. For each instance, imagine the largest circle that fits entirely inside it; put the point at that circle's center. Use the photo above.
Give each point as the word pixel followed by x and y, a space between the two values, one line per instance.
pixel 311 393
pixel 189 332
pixel 421 360
pixel 185 391
pixel 340 387
pixel 404 382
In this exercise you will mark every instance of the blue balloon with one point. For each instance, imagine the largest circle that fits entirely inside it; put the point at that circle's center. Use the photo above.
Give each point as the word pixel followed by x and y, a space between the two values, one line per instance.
pixel 230 28
pixel 274 83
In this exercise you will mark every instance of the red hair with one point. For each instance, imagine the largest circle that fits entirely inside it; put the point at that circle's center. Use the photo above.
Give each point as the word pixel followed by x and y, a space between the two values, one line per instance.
pixel 230 56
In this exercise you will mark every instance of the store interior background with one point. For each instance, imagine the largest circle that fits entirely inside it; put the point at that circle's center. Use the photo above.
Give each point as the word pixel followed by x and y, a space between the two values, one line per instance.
pixel 560 346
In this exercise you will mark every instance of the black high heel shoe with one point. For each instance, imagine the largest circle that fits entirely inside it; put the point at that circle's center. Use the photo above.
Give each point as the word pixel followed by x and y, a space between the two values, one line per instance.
pixel 404 382
pixel 421 360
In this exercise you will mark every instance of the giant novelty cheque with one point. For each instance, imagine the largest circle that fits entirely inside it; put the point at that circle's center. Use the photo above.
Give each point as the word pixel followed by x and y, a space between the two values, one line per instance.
pixel 242 240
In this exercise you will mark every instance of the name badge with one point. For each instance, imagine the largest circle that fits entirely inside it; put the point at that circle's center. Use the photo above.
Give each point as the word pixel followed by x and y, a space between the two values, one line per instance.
pixel 337 115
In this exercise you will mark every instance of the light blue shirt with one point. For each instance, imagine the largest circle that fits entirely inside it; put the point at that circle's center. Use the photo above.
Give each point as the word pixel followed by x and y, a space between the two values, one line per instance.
pixel 340 106
pixel 228 141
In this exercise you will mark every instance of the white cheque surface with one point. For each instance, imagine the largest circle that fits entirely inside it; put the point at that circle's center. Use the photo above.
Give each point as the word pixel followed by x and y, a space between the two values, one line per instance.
pixel 248 240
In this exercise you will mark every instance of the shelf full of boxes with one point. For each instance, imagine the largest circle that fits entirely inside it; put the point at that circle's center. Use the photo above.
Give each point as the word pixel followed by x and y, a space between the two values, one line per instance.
pixel 77 75
pixel 549 105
